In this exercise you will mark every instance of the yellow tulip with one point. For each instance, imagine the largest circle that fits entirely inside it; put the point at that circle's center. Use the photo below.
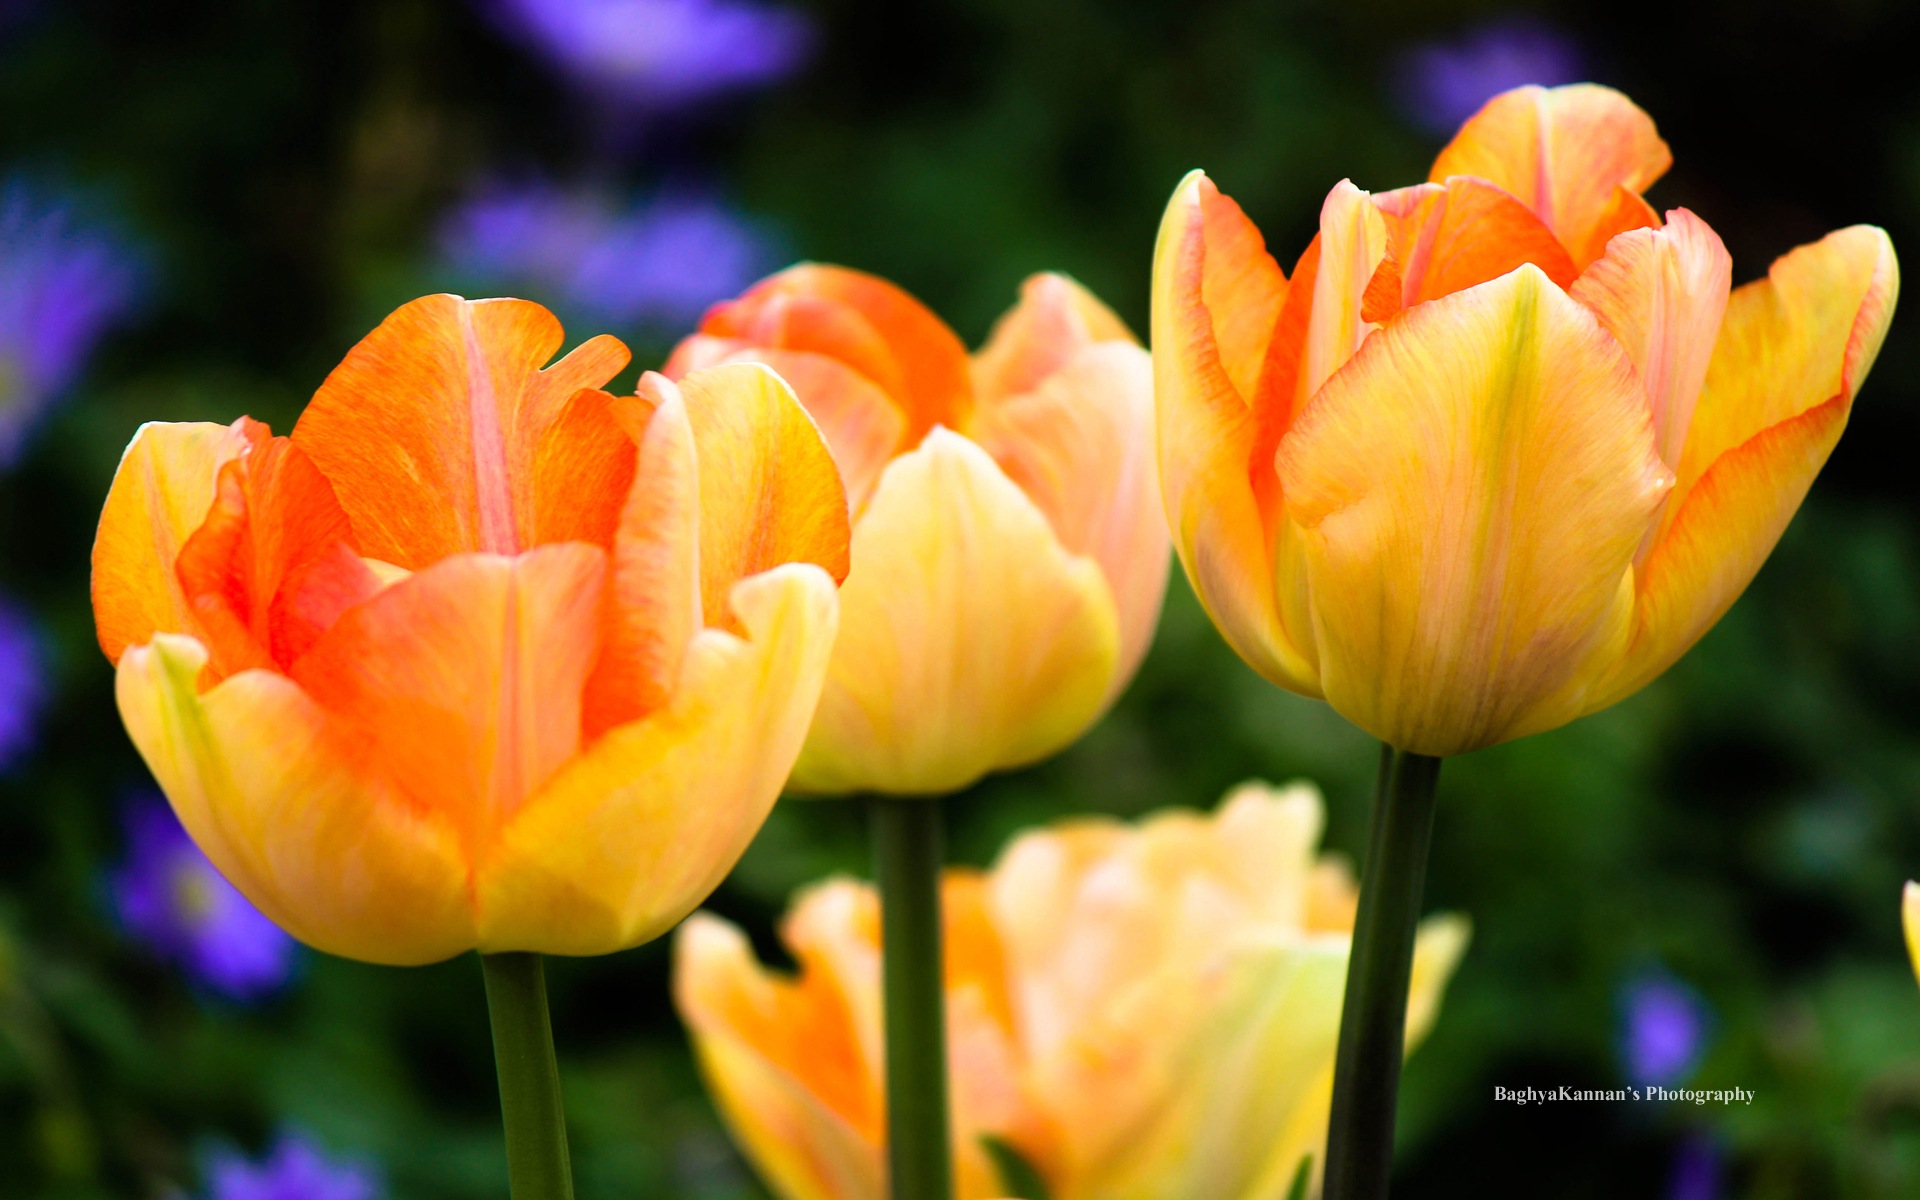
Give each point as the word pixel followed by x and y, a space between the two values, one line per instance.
pixel 480 657
pixel 1910 922
pixel 1009 553
pixel 1503 447
pixel 1144 1012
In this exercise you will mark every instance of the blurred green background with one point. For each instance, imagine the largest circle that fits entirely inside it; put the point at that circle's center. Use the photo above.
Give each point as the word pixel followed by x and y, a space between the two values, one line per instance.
pixel 275 177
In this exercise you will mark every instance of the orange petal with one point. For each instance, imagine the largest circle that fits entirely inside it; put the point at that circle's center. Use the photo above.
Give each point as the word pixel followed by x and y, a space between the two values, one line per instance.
pixel 769 492
pixel 1661 294
pixel 274 519
pixel 1562 152
pixel 934 385
pixel 583 468
pixel 1081 447
pixel 160 495
pixel 286 802
pixel 1207 437
pixel 1793 350
pixel 971 640
pixel 1445 238
pixel 434 428
pixel 1055 320
pixel 1471 491
pixel 654 605
pixel 628 837
pixel 1626 211
pixel 465 679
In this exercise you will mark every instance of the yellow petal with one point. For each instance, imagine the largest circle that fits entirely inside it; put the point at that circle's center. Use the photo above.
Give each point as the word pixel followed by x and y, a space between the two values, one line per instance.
pixel 1206 432
pixel 1353 241
pixel 1563 152
pixel 971 640
pixel 1470 491
pixel 282 798
pixel 160 495
pixel 1910 922
pixel 636 831
pixel 1080 445
pixel 1793 350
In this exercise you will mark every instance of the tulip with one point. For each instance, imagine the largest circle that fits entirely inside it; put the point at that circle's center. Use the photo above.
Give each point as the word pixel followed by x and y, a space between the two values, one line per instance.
pixel 1910 922
pixel 1008 556
pixel 480 657
pixel 1141 1012
pixel 1504 446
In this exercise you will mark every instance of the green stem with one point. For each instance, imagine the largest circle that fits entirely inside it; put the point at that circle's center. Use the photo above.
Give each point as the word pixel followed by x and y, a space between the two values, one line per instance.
pixel 537 1163
pixel 1366 1075
pixel 907 853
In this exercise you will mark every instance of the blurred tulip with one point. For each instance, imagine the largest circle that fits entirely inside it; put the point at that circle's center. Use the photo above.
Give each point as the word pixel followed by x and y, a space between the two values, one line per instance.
pixel 1503 447
pixel 1910 922
pixel 1142 1012
pixel 480 656
pixel 1009 556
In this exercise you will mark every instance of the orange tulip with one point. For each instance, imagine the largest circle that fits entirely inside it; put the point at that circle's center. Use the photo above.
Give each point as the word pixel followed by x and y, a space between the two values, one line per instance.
pixel 1143 1012
pixel 1009 555
pixel 1503 447
pixel 480 656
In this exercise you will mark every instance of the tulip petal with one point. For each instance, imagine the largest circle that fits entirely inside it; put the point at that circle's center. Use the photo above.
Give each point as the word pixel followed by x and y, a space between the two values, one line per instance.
pixel 1054 321
pixel 284 800
pixel 1080 445
pixel 1910 922
pixel 1661 294
pixel 1562 152
pixel 160 495
pixel 465 679
pixel 971 640
pixel 1353 241
pixel 769 491
pixel 583 468
pixel 629 836
pixel 1445 238
pixel 1472 488
pixel 1793 350
pixel 1208 436
pixel 874 326
pixel 432 427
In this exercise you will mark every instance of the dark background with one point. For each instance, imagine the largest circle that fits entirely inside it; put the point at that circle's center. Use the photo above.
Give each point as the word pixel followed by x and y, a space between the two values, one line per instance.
pixel 1743 825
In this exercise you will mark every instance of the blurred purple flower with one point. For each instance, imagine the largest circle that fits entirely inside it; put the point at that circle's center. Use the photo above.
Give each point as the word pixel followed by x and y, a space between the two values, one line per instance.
pixel 62 284
pixel 658 264
pixel 1442 83
pixel 1697 1173
pixel 294 1169
pixel 1663 1030
pixel 23 687
pixel 169 896
pixel 661 53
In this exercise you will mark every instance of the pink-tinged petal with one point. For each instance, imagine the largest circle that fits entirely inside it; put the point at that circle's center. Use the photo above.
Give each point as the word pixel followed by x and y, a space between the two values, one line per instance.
pixel 1208 436
pixel 433 428
pixel 632 834
pixel 1562 152
pixel 1793 351
pixel 1080 445
pixel 160 495
pixel 971 640
pixel 287 802
pixel 1054 321
pixel 1445 238
pixel 1472 488
pixel 1661 294
pixel 464 680
pixel 273 564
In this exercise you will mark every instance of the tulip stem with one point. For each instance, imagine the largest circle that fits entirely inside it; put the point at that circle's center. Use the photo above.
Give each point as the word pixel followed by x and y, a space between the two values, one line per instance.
pixel 1366 1075
pixel 537 1162
pixel 907 854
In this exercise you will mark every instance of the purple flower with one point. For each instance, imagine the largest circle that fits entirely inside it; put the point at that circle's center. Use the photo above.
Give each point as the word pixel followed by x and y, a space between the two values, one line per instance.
pixel 1697 1173
pixel 657 264
pixel 1442 83
pixel 1663 1030
pixel 22 682
pixel 294 1169
pixel 62 284
pixel 169 896
pixel 659 54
